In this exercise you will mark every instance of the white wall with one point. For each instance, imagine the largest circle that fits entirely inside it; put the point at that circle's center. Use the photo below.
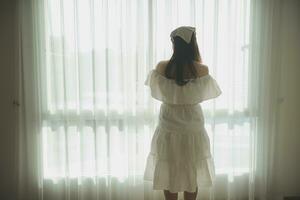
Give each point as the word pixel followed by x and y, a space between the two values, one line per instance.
pixel 287 161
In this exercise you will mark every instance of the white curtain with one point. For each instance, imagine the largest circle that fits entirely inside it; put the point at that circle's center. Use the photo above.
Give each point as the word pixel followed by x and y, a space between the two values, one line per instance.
pixel 87 120
pixel 265 82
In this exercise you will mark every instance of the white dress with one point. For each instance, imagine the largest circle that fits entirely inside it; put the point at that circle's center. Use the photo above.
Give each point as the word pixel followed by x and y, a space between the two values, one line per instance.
pixel 180 157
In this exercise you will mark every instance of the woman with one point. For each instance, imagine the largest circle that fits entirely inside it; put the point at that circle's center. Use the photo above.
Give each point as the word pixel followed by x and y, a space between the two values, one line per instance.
pixel 180 158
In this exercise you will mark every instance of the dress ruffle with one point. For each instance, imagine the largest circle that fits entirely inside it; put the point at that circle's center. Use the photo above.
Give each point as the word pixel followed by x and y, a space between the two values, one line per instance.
pixel 179 162
pixel 195 91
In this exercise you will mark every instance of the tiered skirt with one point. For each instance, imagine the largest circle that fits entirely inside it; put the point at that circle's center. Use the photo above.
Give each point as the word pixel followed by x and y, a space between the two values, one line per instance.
pixel 180 158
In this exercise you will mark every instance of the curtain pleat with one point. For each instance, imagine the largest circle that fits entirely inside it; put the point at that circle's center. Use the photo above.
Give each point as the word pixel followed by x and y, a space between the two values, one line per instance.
pixel 88 119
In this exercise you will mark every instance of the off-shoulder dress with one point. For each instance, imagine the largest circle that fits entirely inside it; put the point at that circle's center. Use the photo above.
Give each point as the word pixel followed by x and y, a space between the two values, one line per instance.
pixel 180 158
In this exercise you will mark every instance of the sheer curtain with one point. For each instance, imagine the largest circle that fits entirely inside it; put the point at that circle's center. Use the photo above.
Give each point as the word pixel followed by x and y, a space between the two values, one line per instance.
pixel 88 119
pixel 265 59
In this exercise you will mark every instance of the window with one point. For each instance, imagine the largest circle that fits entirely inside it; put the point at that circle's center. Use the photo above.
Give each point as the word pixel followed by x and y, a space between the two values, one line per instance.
pixel 98 118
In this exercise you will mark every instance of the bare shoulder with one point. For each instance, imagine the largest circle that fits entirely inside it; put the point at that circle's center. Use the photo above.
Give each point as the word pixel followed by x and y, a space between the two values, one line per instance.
pixel 202 69
pixel 161 66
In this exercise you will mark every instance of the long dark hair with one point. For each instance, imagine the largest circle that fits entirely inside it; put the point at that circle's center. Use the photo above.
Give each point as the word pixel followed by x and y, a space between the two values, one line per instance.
pixel 184 55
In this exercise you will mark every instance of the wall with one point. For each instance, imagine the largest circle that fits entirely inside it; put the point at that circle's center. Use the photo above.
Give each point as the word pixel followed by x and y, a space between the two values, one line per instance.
pixel 287 160
pixel 7 110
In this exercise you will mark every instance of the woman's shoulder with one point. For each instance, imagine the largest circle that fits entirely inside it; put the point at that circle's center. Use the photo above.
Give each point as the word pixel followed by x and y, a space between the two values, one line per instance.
pixel 201 68
pixel 161 66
